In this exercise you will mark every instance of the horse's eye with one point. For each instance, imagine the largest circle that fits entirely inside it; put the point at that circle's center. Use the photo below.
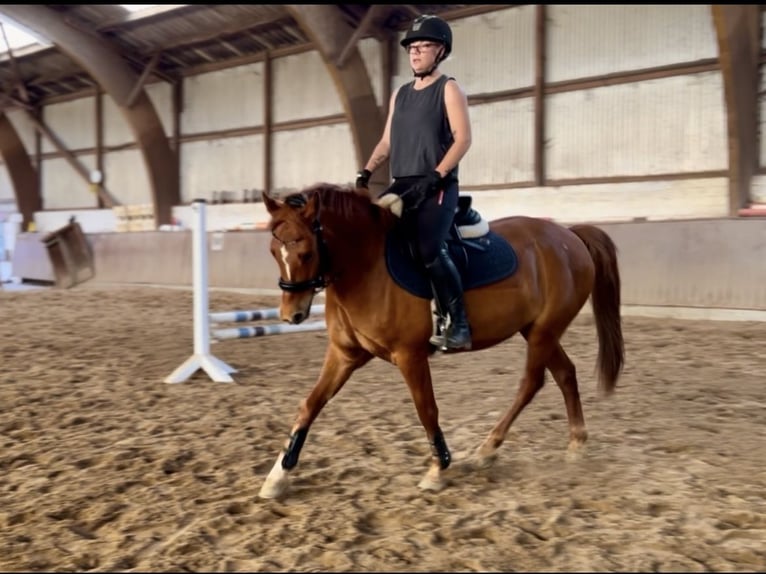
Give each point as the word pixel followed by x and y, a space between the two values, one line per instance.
pixel 306 257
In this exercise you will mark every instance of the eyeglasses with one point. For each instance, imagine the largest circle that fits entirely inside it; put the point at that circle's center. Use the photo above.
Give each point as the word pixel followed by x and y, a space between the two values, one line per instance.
pixel 418 48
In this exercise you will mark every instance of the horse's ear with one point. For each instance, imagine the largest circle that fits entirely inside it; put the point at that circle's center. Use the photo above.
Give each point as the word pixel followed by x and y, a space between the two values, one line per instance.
pixel 272 204
pixel 311 210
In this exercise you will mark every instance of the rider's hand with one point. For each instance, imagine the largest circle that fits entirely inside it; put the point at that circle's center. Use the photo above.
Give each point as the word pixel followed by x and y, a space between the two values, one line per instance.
pixel 363 179
pixel 425 187
pixel 433 183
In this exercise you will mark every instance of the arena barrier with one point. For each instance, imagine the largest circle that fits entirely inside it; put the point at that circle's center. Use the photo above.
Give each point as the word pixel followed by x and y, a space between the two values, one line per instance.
pixel 202 358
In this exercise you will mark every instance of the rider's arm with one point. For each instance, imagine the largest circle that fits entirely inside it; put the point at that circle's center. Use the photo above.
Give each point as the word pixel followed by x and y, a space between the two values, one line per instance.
pixel 383 148
pixel 457 113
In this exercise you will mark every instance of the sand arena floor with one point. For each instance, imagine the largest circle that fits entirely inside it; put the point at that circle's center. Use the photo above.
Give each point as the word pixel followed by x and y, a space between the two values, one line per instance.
pixel 104 467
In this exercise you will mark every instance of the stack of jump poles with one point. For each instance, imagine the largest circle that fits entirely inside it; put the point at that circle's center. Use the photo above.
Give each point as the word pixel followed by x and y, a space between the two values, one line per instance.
pixel 202 358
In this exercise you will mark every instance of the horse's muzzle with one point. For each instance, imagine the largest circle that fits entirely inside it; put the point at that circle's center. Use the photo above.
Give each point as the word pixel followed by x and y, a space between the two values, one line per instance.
pixel 297 317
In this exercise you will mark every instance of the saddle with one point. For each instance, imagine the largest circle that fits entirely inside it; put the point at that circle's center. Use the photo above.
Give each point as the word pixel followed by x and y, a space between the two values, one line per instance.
pixel 468 222
pixel 480 255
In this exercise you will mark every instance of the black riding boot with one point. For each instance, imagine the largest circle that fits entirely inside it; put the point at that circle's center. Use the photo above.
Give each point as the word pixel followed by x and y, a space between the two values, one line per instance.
pixel 448 289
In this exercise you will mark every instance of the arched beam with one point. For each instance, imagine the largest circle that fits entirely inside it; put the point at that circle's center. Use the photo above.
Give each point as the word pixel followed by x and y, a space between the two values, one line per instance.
pixel 102 62
pixel 327 30
pixel 738 31
pixel 21 171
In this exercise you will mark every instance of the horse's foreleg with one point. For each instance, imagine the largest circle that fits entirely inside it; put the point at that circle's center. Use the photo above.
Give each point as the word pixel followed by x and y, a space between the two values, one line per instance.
pixel 337 368
pixel 417 375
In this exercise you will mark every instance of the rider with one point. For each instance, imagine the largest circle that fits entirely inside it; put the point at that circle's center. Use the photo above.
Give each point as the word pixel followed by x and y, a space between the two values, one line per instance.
pixel 427 133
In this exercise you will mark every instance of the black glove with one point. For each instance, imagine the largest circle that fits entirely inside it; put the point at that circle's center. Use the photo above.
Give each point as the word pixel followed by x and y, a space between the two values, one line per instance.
pixel 363 179
pixel 432 183
pixel 425 187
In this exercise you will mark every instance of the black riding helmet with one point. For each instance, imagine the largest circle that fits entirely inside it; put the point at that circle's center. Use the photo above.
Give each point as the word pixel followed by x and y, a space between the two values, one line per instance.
pixel 429 27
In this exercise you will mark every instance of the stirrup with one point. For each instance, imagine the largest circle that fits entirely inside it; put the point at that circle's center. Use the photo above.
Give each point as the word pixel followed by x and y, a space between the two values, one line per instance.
pixel 439 337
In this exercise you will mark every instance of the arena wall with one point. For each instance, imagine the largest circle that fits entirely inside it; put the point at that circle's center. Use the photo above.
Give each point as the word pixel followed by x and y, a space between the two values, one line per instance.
pixel 635 140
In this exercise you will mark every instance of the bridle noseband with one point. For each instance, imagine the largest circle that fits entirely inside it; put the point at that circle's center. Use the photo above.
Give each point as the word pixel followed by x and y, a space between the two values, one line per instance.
pixel 320 281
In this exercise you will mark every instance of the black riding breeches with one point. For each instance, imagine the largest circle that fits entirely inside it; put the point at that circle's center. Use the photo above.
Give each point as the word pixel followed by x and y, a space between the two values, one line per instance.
pixel 433 220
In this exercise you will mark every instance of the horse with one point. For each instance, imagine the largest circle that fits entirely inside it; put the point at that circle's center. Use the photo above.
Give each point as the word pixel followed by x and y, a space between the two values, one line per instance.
pixel 339 239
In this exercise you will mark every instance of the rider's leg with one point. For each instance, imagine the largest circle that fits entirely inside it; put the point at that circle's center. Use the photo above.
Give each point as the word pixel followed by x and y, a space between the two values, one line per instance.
pixel 448 289
pixel 434 219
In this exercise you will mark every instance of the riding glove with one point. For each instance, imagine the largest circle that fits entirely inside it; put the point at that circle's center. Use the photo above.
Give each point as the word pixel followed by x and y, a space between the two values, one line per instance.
pixel 424 188
pixel 432 183
pixel 363 179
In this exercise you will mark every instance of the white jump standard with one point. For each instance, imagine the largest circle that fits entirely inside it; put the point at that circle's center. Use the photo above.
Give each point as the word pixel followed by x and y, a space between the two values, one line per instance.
pixel 202 358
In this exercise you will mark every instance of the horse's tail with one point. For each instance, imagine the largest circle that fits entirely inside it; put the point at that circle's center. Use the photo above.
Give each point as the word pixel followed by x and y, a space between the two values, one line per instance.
pixel 605 299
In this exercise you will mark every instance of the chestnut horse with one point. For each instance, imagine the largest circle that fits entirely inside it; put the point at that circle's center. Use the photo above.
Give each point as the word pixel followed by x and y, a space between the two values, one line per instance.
pixel 334 238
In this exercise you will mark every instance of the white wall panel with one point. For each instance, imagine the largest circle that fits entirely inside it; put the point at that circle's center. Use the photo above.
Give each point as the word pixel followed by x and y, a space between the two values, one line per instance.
pixel 669 125
pixel 494 51
pixel 303 88
pixel 25 129
pixel 231 164
pixel 653 200
pixel 370 49
pixel 321 154
pixel 224 99
pixel 73 122
pixel 590 40
pixel 6 186
pixel 127 178
pixel 758 189
pixel 63 187
pixel 117 131
pixel 502 148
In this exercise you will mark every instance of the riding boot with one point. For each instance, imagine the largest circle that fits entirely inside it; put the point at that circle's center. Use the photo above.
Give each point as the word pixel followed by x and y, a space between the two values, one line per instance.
pixel 448 289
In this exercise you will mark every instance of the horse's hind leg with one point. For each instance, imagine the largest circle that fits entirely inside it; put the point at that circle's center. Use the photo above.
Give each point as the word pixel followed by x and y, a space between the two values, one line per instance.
pixel 565 375
pixel 338 365
pixel 539 346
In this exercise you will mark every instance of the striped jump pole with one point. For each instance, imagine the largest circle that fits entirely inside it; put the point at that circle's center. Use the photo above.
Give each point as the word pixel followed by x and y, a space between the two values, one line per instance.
pixel 202 358
pixel 256 315
pixel 264 330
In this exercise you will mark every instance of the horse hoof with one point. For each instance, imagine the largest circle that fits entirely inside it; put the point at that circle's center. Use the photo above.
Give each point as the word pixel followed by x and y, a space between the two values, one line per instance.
pixel 485 461
pixel 432 480
pixel 430 484
pixel 485 458
pixel 575 452
pixel 273 489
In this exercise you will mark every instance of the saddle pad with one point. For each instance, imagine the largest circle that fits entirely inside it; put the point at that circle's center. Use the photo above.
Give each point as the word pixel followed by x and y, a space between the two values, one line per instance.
pixel 480 261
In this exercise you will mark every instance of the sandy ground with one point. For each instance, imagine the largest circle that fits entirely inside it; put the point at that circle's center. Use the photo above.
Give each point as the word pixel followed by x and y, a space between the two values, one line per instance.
pixel 104 467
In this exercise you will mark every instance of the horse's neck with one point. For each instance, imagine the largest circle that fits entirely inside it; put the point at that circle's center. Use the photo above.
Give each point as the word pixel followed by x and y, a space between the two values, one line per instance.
pixel 357 258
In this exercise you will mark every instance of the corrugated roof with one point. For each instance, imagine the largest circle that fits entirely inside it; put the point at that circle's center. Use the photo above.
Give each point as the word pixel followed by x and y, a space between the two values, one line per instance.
pixel 186 38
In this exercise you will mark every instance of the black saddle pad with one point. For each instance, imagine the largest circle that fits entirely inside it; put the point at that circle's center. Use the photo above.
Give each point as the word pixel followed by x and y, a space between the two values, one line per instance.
pixel 481 261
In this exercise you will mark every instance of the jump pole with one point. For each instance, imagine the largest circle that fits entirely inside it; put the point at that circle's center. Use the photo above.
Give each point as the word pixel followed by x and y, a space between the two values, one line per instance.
pixel 255 315
pixel 202 358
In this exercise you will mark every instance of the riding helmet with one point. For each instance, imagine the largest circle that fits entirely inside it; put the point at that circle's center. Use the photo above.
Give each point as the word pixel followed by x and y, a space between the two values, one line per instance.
pixel 429 27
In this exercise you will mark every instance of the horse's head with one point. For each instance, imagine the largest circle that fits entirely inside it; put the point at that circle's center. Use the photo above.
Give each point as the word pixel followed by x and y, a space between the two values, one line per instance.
pixel 299 250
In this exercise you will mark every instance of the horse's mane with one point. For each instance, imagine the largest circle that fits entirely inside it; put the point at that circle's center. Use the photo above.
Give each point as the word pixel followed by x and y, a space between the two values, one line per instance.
pixel 345 202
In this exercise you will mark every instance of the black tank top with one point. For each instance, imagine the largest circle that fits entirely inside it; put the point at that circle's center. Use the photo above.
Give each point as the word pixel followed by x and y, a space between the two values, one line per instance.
pixel 420 131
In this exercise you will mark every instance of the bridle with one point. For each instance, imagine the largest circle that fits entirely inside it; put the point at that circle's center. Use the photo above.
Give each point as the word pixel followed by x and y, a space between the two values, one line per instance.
pixel 320 281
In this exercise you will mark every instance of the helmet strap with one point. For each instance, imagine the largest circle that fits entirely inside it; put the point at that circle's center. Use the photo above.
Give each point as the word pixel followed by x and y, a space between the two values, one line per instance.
pixel 427 73
pixel 432 69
